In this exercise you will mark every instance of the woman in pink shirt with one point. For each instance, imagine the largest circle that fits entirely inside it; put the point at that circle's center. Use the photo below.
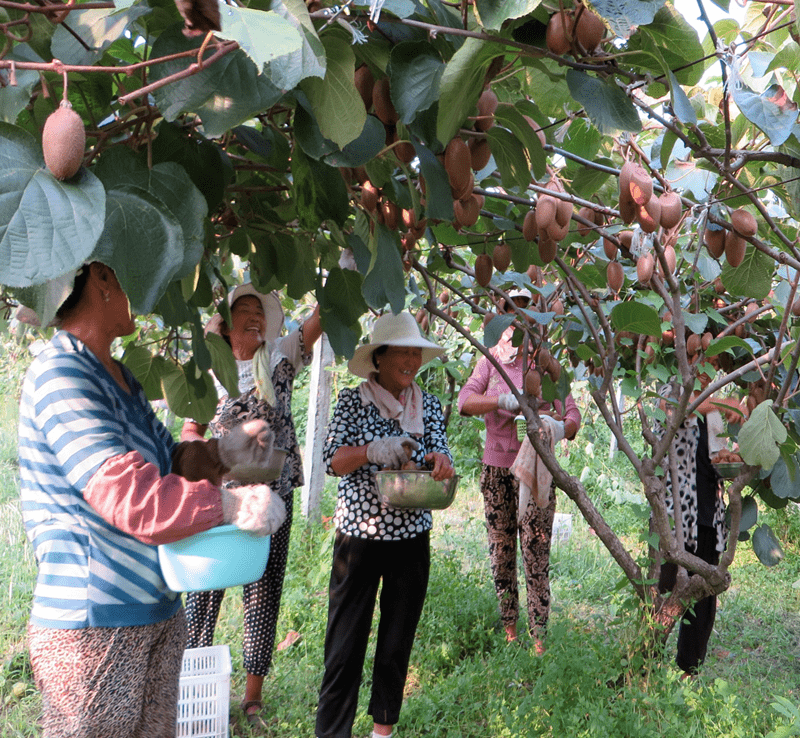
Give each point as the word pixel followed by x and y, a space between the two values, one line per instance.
pixel 486 393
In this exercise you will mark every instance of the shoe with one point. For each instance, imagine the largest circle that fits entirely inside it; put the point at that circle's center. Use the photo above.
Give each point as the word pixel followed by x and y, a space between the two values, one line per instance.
pixel 254 718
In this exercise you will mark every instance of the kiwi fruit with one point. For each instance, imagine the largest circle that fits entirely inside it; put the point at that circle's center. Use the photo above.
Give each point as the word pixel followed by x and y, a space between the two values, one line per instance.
pixel 796 308
pixel 648 215
pixel 734 248
pixel 557 307
pixel 615 276
pixel 744 222
pixel 749 311
pixel 719 287
pixel 625 176
pixel 628 209
pixel 589 30
pixel 530 231
pixel 466 190
pixel 609 248
pixel 483 269
pixel 537 130
pixel 671 210
pixel 409 218
pixel 390 213
pixel 63 142
pixel 480 152
pixel 644 267
pixel 564 213
pixel 405 152
pixel 705 340
pixel 369 196
pixel 364 82
pixel 457 163
pixel 382 100
pixel 533 383
pixel 714 241
pixel 557 232
pixel 625 239
pixel 546 207
pixel 641 186
pixel 559 32
pixel 487 104
pixel 501 256
pixel 467 211
pixel 547 250
pixel 693 344
pixel 444 297
pixel 670 257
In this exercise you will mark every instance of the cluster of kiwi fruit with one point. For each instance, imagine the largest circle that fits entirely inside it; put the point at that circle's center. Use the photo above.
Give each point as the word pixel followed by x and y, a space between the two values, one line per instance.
pixel 576 30
pixel 63 142
pixel 731 242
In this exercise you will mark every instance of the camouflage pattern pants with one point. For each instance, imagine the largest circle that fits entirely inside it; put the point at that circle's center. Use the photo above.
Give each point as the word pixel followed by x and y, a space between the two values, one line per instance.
pixel 500 499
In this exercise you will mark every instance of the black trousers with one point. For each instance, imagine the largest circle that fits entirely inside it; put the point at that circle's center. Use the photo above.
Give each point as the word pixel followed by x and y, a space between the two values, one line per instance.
pixel 359 566
pixel 697 622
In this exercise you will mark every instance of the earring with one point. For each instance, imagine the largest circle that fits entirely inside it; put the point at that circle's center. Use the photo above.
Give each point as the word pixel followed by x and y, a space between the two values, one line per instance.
pixel 106 298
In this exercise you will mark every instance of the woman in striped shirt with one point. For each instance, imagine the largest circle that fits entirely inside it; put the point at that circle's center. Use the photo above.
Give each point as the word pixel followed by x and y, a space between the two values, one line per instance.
pixel 106 635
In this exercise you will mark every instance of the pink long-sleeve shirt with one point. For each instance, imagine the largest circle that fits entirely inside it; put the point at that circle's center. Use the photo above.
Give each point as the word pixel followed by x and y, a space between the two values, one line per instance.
pixel 502 444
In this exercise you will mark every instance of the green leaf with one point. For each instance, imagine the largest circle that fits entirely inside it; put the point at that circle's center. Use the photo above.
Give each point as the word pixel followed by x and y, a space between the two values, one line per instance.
pixel 223 363
pixel 338 108
pixel 147 371
pixel 511 118
pixel 16 98
pixel 195 398
pixel 462 83
pixel 495 328
pixel 341 305
pixel 696 322
pixel 439 205
pixel 681 106
pixel 636 318
pixel 47 227
pixel 363 149
pixel 752 278
pixel 625 16
pixel 492 14
pixel 509 155
pixel 785 478
pixel 415 71
pixel 721 345
pixel 142 242
pixel 766 546
pixel 385 281
pixel 319 192
pixel 605 103
pixel 225 94
pixel 262 35
pixel 772 111
pixel 760 437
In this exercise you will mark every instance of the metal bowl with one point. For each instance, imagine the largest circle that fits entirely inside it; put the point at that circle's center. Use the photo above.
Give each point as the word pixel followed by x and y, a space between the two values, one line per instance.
pixel 415 490
pixel 268 473
pixel 728 469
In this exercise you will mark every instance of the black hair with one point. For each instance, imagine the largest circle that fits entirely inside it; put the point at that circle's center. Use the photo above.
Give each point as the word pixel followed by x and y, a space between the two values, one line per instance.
pixel 81 278
pixel 380 351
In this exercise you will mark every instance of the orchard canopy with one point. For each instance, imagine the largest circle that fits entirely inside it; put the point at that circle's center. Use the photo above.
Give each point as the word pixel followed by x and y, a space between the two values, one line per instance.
pixel 633 163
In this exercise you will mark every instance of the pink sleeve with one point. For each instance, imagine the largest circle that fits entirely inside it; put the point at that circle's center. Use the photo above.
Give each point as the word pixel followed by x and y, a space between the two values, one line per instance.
pixel 130 493
pixel 477 383
pixel 571 412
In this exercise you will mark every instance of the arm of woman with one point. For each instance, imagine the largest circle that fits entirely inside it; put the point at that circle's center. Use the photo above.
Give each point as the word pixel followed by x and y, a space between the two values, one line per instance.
pixel 193 431
pixel 312 329
pixel 472 399
pixel 439 455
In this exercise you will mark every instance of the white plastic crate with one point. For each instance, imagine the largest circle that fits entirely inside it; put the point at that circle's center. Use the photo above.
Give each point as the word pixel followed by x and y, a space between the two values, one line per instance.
pixel 204 697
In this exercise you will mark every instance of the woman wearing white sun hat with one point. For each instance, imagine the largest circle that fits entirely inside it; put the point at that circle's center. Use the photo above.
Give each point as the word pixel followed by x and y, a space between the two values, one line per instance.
pixel 376 425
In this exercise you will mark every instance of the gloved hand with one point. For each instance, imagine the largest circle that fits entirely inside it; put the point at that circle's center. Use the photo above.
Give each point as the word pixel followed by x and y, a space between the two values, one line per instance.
pixel 248 444
pixel 254 508
pixel 391 452
pixel 197 460
pixel 508 402
pixel 556 427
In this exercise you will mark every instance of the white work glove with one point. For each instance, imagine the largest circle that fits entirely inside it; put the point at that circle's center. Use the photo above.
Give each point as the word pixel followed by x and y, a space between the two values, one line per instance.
pixel 248 444
pixel 255 509
pixel 556 427
pixel 508 402
pixel 391 452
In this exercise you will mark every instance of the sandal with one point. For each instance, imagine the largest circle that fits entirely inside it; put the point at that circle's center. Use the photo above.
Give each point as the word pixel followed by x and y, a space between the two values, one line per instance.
pixel 253 718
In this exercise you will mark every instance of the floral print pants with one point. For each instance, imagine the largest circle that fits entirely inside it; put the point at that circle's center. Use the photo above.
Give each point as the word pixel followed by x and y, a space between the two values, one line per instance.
pixel 500 499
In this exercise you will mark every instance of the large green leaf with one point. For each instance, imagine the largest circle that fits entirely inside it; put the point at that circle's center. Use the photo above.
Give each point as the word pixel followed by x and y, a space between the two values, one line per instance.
pixel 142 242
pixel 338 108
pixel 415 70
pixel 47 227
pixel 721 345
pixel 492 14
pixel 309 60
pixel 224 94
pixel 366 147
pixel 341 305
pixel 636 317
pixel 509 155
pixel 766 546
pixel 773 111
pixel 625 16
pixel 189 397
pixel 439 199
pixel 146 369
pixel 461 85
pixel 752 278
pixel 223 363
pixel 511 118
pixel 785 478
pixel 385 282
pixel 168 182
pixel 15 98
pixel 606 104
pixel 761 436
pixel 91 32
pixel 319 192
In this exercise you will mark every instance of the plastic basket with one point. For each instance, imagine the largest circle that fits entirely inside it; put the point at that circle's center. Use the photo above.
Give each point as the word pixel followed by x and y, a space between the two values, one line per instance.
pixel 204 693
pixel 522 428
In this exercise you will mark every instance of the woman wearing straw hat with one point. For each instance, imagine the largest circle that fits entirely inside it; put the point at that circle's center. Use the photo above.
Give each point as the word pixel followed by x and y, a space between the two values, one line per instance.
pixel 378 424
pixel 256 318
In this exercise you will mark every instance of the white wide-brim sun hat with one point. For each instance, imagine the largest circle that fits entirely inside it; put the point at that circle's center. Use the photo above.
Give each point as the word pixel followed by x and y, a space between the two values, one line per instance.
pixel 273 311
pixel 392 330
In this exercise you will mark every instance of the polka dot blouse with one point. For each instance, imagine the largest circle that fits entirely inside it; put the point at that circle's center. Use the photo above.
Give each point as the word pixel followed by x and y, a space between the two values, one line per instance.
pixel 359 511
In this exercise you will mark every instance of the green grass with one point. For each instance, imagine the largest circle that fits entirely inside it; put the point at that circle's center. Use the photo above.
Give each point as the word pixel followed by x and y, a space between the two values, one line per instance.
pixel 465 681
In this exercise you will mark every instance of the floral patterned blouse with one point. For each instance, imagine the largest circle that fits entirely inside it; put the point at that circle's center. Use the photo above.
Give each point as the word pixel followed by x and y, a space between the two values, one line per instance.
pixel 359 510
pixel 288 356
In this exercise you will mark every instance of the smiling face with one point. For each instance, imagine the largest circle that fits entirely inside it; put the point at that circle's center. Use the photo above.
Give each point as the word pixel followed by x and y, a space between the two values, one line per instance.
pixel 397 367
pixel 249 326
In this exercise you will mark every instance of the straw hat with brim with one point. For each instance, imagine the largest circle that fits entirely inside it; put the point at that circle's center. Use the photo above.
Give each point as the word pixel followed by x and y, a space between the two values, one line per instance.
pixel 273 311
pixel 392 330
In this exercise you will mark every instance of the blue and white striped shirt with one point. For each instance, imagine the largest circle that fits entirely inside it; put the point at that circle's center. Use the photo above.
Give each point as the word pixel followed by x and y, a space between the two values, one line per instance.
pixel 73 418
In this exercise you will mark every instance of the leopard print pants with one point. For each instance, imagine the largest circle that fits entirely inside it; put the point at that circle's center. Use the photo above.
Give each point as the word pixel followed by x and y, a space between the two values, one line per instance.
pixel 109 682
pixel 500 499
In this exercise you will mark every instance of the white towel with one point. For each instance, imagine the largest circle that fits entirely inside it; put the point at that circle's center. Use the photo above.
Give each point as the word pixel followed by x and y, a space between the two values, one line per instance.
pixel 535 479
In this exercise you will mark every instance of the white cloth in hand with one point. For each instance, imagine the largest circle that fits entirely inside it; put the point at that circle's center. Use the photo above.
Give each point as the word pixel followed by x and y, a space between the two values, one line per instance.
pixel 248 444
pixel 508 402
pixel 391 452
pixel 556 427
pixel 255 509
